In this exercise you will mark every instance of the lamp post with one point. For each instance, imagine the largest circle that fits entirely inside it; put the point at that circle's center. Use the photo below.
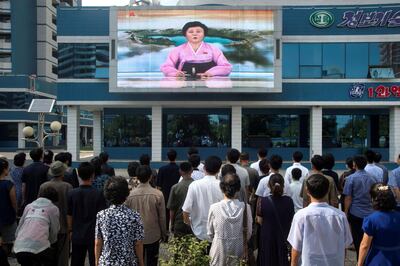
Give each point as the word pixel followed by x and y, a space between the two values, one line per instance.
pixel 29 132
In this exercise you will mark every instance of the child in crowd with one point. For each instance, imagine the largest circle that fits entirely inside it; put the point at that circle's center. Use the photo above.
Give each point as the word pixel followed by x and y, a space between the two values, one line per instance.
pixel 295 189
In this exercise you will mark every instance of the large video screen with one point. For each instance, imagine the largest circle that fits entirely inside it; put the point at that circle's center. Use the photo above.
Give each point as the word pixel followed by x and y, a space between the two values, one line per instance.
pixel 195 50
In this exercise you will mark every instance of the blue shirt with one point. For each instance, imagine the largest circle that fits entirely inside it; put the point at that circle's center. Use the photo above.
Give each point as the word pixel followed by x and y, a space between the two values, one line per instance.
pixel 394 178
pixel 384 250
pixel 358 186
pixel 16 175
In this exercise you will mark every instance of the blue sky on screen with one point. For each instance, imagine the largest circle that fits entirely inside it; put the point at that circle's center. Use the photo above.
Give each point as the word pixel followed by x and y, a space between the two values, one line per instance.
pixel 119 2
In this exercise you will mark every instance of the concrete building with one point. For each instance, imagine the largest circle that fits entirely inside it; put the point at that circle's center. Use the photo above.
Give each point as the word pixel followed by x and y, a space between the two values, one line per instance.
pixel 28 69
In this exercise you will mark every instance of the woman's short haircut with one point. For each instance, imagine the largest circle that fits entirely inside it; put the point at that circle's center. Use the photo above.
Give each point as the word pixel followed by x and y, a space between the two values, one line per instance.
pixel 317 185
pixel 19 159
pixel 132 167
pixel 116 190
pixel 193 24
pixel 143 173
pixel 230 185
pixel 227 169
pixel 276 184
pixel 212 164
pixel 382 197
pixel 49 193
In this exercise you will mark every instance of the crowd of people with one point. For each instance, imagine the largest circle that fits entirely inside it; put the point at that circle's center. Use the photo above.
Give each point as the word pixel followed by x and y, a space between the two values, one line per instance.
pixel 52 213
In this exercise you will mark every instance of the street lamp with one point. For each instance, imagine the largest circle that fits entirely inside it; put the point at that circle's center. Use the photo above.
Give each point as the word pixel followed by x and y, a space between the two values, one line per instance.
pixel 29 133
pixel 41 106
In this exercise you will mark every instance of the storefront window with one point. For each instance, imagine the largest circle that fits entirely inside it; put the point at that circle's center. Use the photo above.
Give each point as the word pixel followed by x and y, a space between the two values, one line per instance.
pixel 127 128
pixel 275 130
pixel 8 134
pixel 355 131
pixel 198 130
pixel 83 60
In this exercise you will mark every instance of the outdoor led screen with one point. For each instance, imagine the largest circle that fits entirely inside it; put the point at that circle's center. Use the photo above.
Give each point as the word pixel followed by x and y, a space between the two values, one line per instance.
pixel 222 50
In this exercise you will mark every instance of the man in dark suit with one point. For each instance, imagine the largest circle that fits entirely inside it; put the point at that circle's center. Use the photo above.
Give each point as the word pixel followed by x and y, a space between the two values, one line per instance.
pixel 168 175
pixel 33 176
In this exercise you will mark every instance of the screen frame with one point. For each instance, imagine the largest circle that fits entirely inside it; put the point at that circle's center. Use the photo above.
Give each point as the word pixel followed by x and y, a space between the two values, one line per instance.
pixel 277 36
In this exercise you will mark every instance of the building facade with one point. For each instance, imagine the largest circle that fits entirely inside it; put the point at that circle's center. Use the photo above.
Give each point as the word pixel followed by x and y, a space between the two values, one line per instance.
pixel 28 70
pixel 336 87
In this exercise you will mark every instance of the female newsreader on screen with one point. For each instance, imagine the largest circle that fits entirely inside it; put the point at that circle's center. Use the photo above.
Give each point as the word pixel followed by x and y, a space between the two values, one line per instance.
pixel 195 58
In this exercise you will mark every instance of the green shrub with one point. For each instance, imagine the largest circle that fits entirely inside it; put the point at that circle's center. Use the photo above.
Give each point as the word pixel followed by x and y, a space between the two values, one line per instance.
pixel 186 251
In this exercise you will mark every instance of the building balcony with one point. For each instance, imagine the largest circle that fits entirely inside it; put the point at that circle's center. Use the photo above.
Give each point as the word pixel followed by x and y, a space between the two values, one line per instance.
pixel 5 45
pixel 5 26
pixel 5 5
pixel 5 66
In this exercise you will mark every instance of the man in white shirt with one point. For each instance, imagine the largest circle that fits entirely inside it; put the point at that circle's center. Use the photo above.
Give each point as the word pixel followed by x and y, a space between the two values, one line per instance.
pixel 297 157
pixel 233 156
pixel 201 194
pixel 375 171
pixel 275 163
pixel 320 233
pixel 262 154
pixel 295 189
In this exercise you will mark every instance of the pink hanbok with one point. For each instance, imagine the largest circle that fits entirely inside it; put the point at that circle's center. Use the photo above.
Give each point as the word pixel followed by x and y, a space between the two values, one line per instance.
pixel 208 58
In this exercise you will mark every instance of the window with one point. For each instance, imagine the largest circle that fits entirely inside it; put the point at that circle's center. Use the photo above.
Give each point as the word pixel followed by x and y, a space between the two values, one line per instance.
pixel 15 100
pixel 310 60
pixel 127 128
pixel 355 131
pixel 199 130
pixel 333 58
pixel 275 130
pixel 291 60
pixel 8 134
pixel 357 60
pixel 77 60
pixel 338 60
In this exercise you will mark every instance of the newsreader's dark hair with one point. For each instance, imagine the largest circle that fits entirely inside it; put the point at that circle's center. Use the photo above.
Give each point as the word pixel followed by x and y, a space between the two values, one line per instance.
pixel 192 24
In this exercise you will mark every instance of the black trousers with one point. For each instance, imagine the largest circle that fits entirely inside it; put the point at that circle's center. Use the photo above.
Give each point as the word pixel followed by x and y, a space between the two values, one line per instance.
pixel 150 253
pixel 45 258
pixel 356 230
pixel 79 254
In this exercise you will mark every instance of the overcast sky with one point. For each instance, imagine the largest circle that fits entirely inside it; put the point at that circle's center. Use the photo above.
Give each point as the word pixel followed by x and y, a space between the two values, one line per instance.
pixel 119 2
